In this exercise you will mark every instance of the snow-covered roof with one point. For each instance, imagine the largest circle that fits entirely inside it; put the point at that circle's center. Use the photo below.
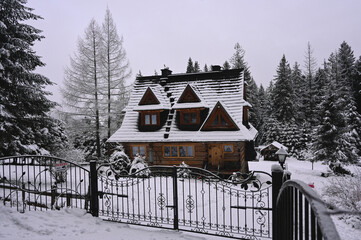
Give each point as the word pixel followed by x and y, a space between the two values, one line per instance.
pixel 211 87
pixel 277 145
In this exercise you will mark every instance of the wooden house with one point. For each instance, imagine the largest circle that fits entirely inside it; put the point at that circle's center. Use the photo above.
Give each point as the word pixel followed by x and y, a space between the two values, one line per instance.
pixel 269 152
pixel 199 118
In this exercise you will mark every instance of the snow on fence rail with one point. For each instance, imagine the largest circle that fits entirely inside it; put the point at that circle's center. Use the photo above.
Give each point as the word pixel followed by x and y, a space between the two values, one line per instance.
pixel 42 182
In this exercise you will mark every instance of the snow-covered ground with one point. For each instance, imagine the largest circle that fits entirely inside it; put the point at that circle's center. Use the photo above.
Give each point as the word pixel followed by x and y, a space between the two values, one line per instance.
pixel 77 224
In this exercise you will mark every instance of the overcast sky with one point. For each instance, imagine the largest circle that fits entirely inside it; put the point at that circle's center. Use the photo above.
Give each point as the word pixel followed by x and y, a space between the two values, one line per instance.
pixel 168 32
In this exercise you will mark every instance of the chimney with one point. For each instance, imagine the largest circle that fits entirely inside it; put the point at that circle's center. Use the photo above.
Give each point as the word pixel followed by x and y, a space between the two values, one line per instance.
pixel 215 68
pixel 166 72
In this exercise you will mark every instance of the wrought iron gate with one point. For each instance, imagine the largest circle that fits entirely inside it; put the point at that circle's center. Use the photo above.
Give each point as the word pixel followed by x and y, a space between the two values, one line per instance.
pixel 189 199
pixel 42 183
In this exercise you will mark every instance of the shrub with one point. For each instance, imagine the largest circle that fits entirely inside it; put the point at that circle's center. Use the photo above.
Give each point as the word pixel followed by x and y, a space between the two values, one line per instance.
pixel 345 193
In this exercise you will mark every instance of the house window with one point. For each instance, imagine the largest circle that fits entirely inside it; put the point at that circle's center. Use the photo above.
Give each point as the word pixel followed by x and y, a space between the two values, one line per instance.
pixel 219 121
pixel 138 149
pixel 180 151
pixel 228 148
pixel 151 118
pixel 189 117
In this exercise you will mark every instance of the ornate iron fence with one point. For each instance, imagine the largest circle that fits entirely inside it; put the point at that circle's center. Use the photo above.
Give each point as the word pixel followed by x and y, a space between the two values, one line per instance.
pixel 300 214
pixel 189 199
pixel 42 182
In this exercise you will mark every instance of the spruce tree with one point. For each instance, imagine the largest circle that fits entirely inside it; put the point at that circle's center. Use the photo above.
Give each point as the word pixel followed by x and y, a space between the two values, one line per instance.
pixel 283 95
pixel 327 144
pixel 205 68
pixel 226 65
pixel 196 67
pixel 356 85
pixel 299 86
pixel 190 66
pixel 25 124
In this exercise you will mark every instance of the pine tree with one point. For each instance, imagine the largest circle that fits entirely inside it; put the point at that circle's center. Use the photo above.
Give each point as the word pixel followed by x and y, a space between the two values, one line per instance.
pixel 283 95
pixel 190 66
pixel 26 126
pixel 196 67
pixel 83 81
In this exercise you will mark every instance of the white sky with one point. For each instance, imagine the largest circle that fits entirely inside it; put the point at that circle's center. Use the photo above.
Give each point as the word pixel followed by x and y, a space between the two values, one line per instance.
pixel 168 32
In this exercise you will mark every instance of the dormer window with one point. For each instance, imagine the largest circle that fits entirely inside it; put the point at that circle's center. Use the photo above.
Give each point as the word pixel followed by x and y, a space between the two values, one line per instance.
pixel 189 117
pixel 219 119
pixel 150 118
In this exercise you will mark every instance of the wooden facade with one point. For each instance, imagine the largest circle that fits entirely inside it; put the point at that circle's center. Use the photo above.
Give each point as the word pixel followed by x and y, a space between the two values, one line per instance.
pixel 200 119
pixel 229 156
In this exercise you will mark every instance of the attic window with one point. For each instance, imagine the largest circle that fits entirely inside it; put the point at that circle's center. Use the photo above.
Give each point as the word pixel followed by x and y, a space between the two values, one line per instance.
pixel 219 119
pixel 188 96
pixel 189 117
pixel 148 98
pixel 150 118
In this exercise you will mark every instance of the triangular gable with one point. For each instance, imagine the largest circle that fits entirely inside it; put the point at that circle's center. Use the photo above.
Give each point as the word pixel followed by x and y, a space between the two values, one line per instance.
pixel 219 119
pixel 188 95
pixel 149 98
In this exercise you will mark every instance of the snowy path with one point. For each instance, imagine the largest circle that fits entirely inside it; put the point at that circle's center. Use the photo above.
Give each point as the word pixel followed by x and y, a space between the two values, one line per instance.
pixel 75 224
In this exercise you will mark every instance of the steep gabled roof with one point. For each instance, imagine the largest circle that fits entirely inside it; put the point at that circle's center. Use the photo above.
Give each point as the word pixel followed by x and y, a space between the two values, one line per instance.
pixel 218 116
pixel 150 100
pixel 225 87
pixel 190 98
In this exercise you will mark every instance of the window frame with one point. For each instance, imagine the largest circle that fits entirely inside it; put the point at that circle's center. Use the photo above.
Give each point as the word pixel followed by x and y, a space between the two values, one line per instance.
pixel 138 145
pixel 178 146
pixel 189 111
pixel 224 145
pixel 150 114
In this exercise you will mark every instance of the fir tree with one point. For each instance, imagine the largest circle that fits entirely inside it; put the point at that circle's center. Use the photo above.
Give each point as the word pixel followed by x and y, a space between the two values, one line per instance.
pixel 357 84
pixel 299 85
pixel 205 68
pixel 327 145
pixel 190 66
pixel 226 65
pixel 196 67
pixel 25 124
pixel 283 94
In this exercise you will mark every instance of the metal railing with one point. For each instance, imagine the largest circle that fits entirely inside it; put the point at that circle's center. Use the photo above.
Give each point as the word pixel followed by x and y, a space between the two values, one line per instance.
pixel 301 214
pixel 187 199
pixel 42 182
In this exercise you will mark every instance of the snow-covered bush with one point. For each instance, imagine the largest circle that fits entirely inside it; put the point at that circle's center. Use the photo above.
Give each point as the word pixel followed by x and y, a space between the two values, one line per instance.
pixel 345 193
pixel 119 162
pixel 184 170
pixel 139 164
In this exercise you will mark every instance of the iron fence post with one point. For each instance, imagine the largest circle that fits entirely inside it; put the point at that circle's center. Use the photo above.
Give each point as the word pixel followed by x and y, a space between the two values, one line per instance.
pixel 94 201
pixel 277 175
pixel 175 198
